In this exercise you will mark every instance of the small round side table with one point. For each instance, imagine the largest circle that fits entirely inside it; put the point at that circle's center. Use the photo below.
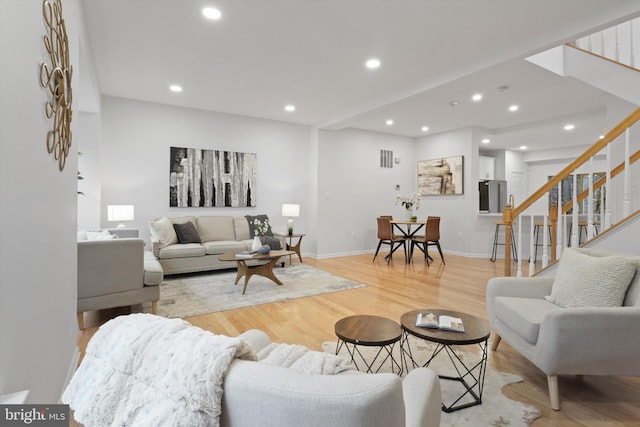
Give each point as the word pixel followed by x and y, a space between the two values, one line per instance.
pixel 370 331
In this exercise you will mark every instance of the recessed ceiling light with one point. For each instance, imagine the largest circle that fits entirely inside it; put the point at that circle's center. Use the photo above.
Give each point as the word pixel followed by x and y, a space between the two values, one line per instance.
pixel 569 127
pixel 389 122
pixel 523 147
pixel 486 141
pixel 601 136
pixel 211 13
pixel 175 88
pixel 425 128
pixel 373 63
pixel 290 108
pixel 477 97
pixel 513 108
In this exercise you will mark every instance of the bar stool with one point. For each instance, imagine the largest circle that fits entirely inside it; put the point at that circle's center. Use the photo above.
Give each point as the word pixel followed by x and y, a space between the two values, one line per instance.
pixel 496 243
pixel 583 226
pixel 536 236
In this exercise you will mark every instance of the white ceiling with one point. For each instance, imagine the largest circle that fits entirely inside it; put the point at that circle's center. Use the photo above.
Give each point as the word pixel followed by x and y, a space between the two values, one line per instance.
pixel 264 54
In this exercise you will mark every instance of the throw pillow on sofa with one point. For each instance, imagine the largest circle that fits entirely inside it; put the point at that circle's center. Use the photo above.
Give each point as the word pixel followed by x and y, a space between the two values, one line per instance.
pixel 590 281
pixel 252 225
pixel 162 230
pixel 187 233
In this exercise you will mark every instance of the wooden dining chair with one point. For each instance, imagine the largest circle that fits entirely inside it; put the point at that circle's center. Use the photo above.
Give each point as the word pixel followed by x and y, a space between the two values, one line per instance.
pixel 386 237
pixel 431 237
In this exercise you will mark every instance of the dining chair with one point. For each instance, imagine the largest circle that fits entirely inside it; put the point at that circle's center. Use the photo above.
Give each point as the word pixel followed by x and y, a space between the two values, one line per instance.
pixel 386 237
pixel 431 237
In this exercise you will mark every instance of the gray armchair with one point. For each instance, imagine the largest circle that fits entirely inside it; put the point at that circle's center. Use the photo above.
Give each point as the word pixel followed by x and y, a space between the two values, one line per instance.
pixel 116 273
pixel 565 340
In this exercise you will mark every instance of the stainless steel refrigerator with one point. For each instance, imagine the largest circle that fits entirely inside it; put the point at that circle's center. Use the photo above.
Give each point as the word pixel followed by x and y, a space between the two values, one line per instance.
pixel 493 195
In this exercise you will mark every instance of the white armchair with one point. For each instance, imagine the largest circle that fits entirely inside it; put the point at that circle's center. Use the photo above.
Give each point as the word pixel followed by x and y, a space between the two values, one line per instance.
pixel 566 340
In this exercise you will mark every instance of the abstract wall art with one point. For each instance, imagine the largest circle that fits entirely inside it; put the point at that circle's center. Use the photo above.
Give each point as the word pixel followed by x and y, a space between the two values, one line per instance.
pixel 441 176
pixel 211 178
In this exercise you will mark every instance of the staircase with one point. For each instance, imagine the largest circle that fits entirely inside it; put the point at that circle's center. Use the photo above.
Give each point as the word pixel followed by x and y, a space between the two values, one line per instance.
pixel 614 206
pixel 607 60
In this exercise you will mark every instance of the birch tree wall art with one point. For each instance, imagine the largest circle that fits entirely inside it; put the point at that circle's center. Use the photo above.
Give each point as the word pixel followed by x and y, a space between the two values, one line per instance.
pixel 211 178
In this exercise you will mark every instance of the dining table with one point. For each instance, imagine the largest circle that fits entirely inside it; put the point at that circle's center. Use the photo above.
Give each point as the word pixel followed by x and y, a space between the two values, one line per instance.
pixel 407 229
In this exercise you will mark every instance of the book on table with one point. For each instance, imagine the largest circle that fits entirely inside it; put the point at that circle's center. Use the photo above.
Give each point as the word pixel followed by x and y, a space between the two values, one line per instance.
pixel 445 323
pixel 246 254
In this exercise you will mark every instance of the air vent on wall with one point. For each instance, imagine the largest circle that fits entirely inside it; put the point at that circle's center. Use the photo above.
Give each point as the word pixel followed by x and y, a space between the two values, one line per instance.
pixel 386 159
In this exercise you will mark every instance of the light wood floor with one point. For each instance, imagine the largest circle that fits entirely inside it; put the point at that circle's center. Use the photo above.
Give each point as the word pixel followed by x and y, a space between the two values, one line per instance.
pixel 396 288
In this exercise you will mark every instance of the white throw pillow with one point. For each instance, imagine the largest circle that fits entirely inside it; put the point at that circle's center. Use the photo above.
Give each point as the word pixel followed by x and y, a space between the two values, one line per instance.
pixel 589 281
pixel 82 235
pixel 162 231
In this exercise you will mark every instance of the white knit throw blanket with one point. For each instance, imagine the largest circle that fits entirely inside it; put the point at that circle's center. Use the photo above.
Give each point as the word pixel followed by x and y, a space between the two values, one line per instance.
pixel 302 359
pixel 146 370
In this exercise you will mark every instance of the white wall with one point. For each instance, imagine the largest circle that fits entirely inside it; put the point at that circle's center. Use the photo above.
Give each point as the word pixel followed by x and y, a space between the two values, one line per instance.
pixel 134 158
pixel 38 209
pixel 88 140
pixel 458 214
pixel 353 189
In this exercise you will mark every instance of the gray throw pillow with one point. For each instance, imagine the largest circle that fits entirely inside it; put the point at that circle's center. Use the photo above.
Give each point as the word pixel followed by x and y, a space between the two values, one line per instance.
pixel 187 233
pixel 590 281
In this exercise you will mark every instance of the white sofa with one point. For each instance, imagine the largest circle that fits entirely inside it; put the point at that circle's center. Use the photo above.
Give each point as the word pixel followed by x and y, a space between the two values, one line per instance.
pixel 217 234
pixel 142 369
pixel 259 394
pixel 591 339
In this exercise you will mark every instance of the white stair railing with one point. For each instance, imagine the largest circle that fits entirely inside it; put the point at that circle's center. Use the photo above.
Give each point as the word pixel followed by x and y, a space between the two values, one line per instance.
pixel 618 43
pixel 583 211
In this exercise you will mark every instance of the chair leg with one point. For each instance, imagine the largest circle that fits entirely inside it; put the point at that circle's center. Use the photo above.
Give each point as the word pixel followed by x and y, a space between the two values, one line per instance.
pixel 440 250
pixel 377 249
pixel 495 342
pixel 554 397
pixel 494 253
pixel 80 320
pixel 514 250
pixel 536 234
pixel 154 307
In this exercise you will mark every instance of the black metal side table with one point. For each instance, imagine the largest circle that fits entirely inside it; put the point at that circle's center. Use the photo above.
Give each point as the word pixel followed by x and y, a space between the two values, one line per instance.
pixel 370 331
pixel 470 372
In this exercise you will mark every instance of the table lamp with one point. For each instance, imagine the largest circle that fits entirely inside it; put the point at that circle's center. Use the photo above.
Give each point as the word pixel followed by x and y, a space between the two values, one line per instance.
pixel 120 213
pixel 291 211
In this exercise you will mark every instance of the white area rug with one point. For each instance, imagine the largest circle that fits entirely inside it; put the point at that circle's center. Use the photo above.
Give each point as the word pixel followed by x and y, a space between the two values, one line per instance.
pixel 200 293
pixel 496 409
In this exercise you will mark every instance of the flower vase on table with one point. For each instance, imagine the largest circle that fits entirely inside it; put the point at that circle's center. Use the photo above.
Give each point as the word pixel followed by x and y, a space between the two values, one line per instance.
pixel 409 201
pixel 409 213
pixel 256 244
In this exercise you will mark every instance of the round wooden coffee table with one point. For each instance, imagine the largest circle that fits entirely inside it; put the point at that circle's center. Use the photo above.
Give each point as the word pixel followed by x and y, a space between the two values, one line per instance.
pixel 370 331
pixel 471 372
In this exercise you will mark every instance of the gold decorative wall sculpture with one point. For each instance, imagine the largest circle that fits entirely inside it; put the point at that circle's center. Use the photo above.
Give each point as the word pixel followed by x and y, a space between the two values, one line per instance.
pixel 56 77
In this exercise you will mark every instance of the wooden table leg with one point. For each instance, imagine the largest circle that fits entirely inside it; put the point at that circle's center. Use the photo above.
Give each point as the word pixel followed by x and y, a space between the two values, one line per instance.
pixel 264 270
pixel 295 248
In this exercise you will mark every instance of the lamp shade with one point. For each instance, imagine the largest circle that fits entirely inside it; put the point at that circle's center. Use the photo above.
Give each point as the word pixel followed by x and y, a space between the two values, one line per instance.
pixel 290 210
pixel 120 212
